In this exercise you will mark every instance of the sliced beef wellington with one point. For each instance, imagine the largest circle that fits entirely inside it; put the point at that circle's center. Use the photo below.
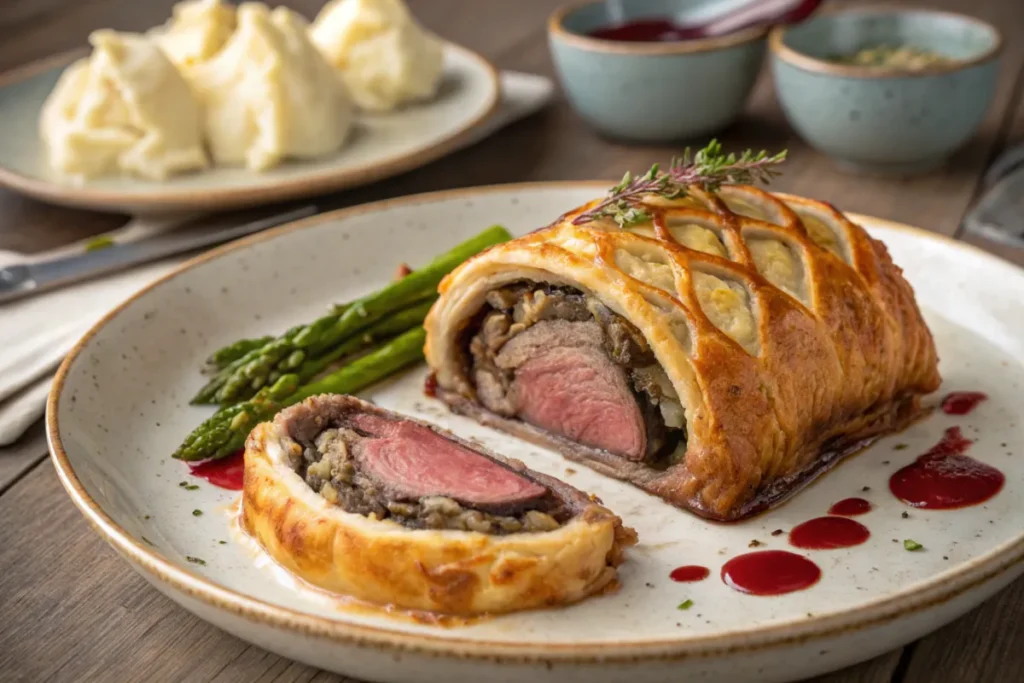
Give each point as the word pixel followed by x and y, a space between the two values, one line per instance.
pixel 719 355
pixel 362 501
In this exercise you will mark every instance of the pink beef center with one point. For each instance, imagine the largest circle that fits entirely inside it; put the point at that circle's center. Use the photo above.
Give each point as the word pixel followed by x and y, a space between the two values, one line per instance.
pixel 415 461
pixel 581 394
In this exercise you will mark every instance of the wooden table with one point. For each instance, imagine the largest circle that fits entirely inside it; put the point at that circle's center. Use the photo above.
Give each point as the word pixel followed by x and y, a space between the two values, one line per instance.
pixel 71 610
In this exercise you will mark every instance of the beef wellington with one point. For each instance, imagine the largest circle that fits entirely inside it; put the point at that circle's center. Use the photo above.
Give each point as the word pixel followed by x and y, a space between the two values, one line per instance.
pixel 361 501
pixel 718 352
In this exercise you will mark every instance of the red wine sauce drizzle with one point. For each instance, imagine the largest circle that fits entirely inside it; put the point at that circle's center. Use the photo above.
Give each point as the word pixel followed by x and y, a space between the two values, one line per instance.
pixel 850 507
pixel 828 533
pixel 227 473
pixel 689 573
pixel 945 478
pixel 770 572
pixel 962 402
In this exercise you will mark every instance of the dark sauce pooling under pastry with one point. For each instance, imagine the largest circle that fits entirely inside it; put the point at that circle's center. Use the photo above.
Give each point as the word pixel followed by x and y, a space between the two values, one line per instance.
pixel 406 472
pixel 562 361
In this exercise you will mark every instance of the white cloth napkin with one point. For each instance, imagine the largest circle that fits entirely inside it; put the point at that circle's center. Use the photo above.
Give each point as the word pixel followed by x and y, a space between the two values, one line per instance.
pixel 36 333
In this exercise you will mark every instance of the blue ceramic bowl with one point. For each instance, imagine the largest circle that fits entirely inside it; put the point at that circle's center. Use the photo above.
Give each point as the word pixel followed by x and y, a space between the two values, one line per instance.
pixel 881 119
pixel 654 92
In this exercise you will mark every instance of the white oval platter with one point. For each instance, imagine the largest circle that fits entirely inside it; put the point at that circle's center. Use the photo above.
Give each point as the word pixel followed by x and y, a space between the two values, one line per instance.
pixel 120 406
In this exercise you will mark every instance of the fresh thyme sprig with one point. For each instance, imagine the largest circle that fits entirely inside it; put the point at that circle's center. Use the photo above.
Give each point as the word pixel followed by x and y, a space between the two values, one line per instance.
pixel 709 168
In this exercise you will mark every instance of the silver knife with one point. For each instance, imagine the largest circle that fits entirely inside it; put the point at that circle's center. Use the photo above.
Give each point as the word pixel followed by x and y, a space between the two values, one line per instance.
pixel 21 280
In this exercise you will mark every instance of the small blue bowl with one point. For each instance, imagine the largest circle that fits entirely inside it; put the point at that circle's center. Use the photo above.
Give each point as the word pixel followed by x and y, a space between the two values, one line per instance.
pixel 654 92
pixel 880 119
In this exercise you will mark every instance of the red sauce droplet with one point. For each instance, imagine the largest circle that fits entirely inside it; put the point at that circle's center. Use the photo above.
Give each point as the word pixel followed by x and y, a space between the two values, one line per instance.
pixel 430 385
pixel 850 507
pixel 227 473
pixel 962 402
pixel 828 533
pixel 689 573
pixel 770 572
pixel 944 478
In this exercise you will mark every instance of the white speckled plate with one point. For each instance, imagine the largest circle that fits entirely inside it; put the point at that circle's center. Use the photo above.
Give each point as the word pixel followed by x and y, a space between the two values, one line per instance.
pixel 380 146
pixel 120 406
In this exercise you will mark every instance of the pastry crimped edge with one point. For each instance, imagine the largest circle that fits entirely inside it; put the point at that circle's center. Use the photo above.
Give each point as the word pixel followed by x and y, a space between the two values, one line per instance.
pixel 452 572
pixel 764 420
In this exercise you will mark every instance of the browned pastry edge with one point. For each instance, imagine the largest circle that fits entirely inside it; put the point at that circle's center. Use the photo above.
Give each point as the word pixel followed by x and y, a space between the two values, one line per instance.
pixel 451 572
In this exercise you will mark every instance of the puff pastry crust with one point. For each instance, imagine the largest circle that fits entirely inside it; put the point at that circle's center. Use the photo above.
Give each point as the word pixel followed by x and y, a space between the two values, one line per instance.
pixel 446 571
pixel 787 332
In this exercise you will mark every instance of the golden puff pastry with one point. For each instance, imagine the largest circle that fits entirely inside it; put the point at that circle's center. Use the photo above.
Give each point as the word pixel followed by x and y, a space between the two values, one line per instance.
pixel 363 502
pixel 719 355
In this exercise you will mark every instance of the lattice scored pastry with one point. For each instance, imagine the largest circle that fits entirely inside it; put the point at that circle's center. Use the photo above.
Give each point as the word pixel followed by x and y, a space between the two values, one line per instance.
pixel 719 353
pixel 365 502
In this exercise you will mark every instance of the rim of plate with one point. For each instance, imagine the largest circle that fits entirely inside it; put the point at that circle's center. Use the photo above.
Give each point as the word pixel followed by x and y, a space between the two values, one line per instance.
pixel 936 590
pixel 264 189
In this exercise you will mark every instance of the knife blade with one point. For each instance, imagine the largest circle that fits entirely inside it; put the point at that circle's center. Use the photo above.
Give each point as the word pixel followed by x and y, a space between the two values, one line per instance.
pixel 27 279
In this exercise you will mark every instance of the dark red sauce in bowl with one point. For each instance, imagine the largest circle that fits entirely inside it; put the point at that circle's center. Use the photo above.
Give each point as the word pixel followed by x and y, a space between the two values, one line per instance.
pixel 665 30
pixel 647 31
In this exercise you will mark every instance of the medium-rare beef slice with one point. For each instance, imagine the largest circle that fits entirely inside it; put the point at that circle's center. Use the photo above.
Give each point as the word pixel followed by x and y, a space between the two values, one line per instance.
pixel 383 466
pixel 566 363
pixel 566 383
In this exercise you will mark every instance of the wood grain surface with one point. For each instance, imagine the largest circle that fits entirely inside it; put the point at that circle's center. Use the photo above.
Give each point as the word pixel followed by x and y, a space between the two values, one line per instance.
pixel 71 610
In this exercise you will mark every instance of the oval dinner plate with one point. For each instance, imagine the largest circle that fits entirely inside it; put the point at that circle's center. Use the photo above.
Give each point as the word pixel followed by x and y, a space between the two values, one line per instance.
pixel 380 146
pixel 119 407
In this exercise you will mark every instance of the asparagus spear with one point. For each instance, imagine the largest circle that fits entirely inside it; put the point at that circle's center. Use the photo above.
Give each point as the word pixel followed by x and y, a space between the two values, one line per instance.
pixel 283 355
pixel 387 327
pixel 399 293
pixel 208 394
pixel 225 432
pixel 222 357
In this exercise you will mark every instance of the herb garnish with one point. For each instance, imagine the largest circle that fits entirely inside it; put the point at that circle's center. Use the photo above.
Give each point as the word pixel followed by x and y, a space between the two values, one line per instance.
pixel 709 168
pixel 99 242
pixel 196 560
pixel 197 513
pixel 911 545
pixel 685 604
